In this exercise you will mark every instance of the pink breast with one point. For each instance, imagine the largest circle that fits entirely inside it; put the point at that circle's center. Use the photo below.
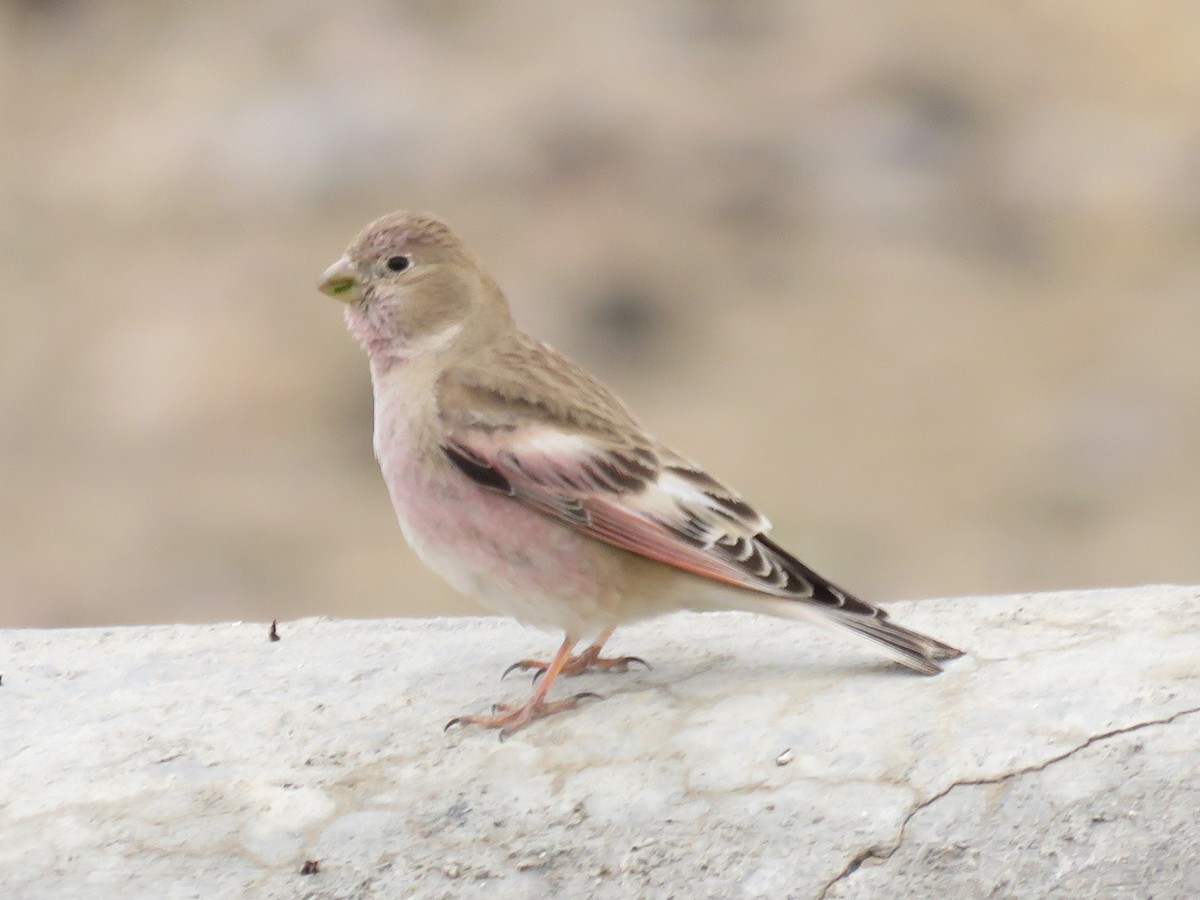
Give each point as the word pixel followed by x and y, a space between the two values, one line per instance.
pixel 507 555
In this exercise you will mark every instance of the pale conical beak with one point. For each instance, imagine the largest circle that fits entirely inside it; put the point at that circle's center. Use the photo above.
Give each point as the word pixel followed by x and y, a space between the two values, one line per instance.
pixel 339 282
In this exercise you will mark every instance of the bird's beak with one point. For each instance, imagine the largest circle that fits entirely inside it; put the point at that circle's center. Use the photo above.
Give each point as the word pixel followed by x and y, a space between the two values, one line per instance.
pixel 339 282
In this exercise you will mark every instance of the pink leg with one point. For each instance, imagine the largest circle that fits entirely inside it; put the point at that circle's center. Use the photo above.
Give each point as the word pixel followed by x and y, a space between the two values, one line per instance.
pixel 512 718
pixel 587 661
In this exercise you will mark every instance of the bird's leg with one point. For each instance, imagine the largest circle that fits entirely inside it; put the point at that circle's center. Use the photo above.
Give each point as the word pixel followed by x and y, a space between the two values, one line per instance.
pixel 588 660
pixel 511 718
pixel 591 660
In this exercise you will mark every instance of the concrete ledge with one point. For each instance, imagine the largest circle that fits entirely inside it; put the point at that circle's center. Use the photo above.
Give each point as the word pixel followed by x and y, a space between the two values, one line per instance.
pixel 757 759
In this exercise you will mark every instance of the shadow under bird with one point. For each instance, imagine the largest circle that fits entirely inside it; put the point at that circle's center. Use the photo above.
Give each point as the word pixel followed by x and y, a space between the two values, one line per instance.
pixel 525 483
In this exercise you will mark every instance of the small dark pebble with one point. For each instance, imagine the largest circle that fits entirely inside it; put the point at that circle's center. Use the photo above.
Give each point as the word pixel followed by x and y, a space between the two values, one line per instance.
pixel 311 867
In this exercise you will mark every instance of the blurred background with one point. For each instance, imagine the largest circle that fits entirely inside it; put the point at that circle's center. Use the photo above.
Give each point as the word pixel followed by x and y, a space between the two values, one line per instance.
pixel 921 280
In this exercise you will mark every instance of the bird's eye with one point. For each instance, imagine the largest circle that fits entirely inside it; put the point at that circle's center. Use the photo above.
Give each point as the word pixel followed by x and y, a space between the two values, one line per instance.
pixel 398 263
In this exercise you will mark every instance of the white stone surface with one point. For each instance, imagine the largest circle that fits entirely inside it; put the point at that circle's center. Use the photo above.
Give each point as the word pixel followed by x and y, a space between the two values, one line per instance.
pixel 1060 758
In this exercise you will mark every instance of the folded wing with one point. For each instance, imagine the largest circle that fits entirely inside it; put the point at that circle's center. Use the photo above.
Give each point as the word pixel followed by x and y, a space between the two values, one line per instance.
pixel 600 474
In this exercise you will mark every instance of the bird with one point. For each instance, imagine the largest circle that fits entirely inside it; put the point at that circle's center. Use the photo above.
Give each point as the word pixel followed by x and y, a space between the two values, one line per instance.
pixel 525 483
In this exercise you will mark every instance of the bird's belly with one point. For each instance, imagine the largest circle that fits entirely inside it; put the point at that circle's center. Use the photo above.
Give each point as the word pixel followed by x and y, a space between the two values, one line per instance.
pixel 510 558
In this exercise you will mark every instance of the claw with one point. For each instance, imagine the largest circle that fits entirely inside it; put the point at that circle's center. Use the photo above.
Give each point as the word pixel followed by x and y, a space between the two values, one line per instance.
pixel 511 719
pixel 508 718
pixel 626 660
pixel 519 664
pixel 578 665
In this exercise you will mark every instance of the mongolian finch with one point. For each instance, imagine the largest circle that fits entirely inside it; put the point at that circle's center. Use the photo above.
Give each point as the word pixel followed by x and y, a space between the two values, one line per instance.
pixel 522 480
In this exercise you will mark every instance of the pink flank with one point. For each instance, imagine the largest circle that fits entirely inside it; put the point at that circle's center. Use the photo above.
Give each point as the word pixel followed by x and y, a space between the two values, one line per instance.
pixel 509 557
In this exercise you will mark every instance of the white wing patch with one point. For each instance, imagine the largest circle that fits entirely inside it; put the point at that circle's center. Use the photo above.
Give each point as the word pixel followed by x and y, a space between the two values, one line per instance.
pixel 527 423
pixel 730 510
pixel 649 501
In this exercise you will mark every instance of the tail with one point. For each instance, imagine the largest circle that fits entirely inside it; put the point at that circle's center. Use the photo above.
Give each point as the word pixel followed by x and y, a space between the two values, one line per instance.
pixel 911 648
pixel 811 597
pixel 918 651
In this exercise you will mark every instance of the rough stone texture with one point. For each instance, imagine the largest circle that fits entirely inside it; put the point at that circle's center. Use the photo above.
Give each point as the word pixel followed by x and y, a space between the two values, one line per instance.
pixel 201 761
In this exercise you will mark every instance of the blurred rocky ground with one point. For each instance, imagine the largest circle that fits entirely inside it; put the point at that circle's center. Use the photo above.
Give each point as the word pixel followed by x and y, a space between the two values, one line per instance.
pixel 921 280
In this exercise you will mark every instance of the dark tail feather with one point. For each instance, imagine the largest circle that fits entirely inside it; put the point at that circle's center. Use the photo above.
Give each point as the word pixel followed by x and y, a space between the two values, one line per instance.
pixel 809 596
pixel 910 648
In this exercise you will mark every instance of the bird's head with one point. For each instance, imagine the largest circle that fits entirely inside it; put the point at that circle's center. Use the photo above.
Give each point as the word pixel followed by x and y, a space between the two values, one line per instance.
pixel 409 285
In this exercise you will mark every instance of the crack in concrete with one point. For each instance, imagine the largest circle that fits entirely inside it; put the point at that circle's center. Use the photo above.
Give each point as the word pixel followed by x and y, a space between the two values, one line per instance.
pixel 882 853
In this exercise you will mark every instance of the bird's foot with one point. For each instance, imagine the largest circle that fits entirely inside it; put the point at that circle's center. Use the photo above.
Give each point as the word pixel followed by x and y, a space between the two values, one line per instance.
pixel 510 719
pixel 589 660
